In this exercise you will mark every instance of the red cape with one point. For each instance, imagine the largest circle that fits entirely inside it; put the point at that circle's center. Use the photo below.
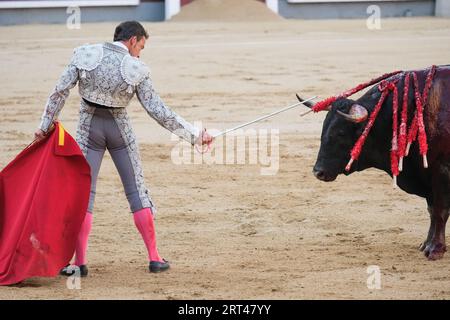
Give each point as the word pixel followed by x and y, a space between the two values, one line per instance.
pixel 44 195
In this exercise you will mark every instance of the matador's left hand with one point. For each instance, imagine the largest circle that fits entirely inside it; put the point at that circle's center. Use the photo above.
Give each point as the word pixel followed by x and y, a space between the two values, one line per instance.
pixel 39 135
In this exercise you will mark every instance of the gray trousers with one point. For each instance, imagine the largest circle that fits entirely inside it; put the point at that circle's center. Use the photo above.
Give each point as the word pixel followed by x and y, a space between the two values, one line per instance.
pixel 100 129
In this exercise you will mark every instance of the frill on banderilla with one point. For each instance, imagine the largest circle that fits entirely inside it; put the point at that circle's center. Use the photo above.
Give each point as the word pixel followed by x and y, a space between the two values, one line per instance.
pixel 402 137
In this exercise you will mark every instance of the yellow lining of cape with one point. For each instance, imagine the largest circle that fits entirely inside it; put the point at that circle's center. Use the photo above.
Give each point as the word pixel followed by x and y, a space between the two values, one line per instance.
pixel 61 135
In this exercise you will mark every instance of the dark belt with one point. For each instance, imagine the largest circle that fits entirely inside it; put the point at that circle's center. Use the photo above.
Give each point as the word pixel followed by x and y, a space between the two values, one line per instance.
pixel 96 105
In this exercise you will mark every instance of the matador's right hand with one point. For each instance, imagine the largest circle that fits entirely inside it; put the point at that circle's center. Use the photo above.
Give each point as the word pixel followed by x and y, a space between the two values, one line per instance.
pixel 204 138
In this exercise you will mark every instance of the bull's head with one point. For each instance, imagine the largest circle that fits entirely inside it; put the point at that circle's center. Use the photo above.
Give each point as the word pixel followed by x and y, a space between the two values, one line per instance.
pixel 341 128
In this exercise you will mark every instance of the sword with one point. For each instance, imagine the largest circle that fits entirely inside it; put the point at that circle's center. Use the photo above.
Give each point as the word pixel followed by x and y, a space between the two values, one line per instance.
pixel 263 117
pixel 256 120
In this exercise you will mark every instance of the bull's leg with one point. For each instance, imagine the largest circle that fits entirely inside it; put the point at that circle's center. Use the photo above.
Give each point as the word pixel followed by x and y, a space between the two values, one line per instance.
pixel 436 248
pixel 430 231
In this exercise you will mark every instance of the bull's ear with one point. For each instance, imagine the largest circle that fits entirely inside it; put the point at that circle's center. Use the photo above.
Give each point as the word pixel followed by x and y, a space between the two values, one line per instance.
pixel 356 114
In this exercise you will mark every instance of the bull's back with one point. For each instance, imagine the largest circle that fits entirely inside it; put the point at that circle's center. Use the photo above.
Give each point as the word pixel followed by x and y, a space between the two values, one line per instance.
pixel 437 112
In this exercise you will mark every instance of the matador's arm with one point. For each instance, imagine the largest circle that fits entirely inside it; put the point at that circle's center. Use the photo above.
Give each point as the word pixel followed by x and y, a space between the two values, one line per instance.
pixel 167 118
pixel 58 97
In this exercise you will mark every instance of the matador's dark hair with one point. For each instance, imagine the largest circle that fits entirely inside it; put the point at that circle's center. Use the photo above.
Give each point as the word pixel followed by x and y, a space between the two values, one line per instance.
pixel 129 29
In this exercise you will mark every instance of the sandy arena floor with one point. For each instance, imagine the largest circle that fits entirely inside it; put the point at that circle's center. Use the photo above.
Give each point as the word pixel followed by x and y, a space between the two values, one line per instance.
pixel 230 232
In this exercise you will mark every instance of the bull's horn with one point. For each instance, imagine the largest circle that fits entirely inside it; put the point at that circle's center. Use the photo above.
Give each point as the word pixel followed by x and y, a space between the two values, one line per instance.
pixel 309 104
pixel 357 114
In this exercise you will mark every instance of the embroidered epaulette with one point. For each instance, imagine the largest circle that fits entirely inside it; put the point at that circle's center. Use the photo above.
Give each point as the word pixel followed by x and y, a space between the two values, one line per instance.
pixel 133 71
pixel 87 57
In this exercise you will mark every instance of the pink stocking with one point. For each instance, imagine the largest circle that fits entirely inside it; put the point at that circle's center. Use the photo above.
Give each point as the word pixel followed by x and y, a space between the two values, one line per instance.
pixel 143 219
pixel 82 241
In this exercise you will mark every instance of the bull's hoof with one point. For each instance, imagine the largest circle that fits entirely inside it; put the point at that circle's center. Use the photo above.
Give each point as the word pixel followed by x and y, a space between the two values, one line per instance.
pixel 423 245
pixel 435 251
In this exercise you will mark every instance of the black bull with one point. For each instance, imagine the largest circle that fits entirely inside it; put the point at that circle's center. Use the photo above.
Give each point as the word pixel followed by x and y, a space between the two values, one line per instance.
pixel 340 132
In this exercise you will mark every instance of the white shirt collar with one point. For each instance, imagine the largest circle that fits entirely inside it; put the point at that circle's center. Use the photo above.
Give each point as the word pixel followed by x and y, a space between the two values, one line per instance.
pixel 120 44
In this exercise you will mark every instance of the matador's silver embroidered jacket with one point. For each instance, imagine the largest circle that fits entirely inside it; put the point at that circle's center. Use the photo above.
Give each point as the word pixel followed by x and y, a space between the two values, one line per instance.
pixel 108 75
